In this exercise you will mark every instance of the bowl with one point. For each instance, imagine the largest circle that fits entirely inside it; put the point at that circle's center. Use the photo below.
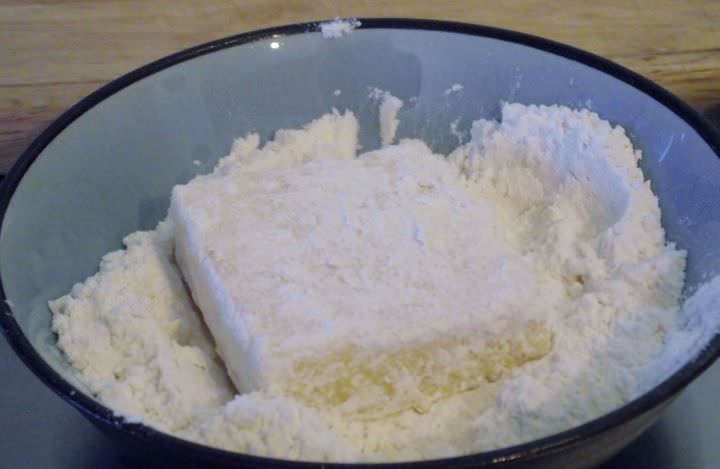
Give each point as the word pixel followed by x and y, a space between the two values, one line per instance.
pixel 105 168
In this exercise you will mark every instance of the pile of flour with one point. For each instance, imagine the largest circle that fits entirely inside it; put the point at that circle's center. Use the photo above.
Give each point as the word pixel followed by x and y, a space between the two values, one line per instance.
pixel 567 198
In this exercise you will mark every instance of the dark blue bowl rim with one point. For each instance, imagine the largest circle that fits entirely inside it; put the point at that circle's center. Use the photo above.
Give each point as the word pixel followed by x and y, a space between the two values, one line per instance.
pixel 525 452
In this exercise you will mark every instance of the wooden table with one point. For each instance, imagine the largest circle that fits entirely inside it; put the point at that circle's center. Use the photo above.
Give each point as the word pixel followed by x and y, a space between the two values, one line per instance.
pixel 54 52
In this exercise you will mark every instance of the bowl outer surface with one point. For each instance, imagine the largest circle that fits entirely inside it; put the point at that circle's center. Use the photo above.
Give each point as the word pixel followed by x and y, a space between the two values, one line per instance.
pixel 106 168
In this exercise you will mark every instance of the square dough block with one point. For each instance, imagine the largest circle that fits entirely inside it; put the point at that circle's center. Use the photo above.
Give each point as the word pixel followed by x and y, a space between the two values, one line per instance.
pixel 346 281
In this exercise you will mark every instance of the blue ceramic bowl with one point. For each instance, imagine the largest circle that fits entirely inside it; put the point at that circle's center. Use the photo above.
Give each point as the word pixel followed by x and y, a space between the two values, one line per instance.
pixel 105 168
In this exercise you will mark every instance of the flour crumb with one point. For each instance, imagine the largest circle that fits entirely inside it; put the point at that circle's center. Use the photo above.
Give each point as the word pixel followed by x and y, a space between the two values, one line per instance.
pixel 457 87
pixel 460 136
pixel 388 114
pixel 338 28
pixel 375 94
pixel 337 92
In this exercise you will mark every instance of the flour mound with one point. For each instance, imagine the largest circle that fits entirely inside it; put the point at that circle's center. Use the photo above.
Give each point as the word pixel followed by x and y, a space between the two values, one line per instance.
pixel 546 208
pixel 138 343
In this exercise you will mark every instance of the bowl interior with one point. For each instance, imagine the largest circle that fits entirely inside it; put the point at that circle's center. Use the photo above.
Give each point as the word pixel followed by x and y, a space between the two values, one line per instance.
pixel 110 171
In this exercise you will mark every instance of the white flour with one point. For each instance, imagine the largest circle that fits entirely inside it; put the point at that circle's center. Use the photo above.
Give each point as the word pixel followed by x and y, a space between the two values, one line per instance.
pixel 568 201
pixel 338 28
pixel 456 88
pixel 387 114
pixel 132 333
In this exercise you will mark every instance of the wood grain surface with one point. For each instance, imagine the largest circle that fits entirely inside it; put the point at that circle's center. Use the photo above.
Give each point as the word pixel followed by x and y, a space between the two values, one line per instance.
pixel 54 52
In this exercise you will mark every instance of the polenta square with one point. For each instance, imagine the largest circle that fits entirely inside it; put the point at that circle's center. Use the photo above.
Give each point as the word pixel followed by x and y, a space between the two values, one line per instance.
pixel 369 284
